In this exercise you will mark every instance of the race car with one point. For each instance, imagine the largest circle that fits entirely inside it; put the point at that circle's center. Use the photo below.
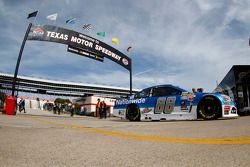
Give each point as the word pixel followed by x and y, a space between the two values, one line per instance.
pixel 168 102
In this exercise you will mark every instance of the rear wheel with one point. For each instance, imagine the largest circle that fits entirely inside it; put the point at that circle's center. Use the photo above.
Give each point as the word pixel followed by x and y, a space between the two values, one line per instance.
pixel 209 108
pixel 133 113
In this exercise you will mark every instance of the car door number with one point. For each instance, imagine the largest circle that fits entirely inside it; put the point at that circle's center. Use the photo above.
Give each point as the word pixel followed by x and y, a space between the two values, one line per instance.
pixel 165 105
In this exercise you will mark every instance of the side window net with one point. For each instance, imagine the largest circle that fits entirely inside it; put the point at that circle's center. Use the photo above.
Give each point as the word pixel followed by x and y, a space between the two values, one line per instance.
pixel 165 91
pixel 143 93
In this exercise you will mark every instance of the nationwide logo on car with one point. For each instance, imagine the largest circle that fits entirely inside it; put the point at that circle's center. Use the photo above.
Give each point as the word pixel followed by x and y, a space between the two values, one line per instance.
pixel 38 31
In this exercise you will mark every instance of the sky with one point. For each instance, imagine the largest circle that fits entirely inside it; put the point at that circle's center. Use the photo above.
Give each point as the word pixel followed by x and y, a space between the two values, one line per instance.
pixel 187 43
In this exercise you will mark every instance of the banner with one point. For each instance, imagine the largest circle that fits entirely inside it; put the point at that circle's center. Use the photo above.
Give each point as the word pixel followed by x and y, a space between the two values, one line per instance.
pixel 78 40
pixel 85 53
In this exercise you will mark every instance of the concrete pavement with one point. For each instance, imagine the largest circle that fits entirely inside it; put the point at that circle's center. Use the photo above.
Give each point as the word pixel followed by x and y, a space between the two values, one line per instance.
pixel 38 112
pixel 45 139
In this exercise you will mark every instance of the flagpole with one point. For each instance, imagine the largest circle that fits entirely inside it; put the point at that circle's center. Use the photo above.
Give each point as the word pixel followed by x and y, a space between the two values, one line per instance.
pixel 130 74
pixel 35 21
pixel 55 19
pixel 19 59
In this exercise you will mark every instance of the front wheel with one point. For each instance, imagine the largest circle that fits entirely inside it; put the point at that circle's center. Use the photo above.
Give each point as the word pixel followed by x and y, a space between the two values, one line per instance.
pixel 133 113
pixel 209 108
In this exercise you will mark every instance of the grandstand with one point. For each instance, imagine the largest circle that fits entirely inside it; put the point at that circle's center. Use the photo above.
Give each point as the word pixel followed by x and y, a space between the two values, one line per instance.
pixel 30 85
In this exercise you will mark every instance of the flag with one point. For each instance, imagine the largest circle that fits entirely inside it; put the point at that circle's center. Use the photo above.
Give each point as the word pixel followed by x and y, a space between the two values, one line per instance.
pixel 33 14
pixel 101 34
pixel 87 27
pixel 52 17
pixel 129 48
pixel 115 41
pixel 71 21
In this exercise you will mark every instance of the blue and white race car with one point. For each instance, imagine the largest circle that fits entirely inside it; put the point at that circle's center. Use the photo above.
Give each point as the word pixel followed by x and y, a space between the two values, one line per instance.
pixel 167 102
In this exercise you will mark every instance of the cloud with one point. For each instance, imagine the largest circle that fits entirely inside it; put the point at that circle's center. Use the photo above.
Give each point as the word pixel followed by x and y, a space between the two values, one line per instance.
pixel 187 43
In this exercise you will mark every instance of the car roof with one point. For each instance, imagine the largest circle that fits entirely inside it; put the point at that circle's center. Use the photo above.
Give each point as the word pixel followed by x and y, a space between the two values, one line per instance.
pixel 168 85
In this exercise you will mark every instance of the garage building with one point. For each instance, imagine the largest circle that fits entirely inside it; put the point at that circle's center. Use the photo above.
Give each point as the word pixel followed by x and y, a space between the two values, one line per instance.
pixel 236 84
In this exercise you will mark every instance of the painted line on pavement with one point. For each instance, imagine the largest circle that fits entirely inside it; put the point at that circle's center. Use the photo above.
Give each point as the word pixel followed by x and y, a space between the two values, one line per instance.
pixel 224 141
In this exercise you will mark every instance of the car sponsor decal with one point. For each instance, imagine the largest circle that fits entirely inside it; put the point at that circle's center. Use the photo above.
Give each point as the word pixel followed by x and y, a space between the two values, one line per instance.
pixel 129 101
pixel 234 110
pixel 165 105
pixel 226 110
pixel 146 110
pixel 187 96
pixel 226 98
pixel 184 107
pixel 209 98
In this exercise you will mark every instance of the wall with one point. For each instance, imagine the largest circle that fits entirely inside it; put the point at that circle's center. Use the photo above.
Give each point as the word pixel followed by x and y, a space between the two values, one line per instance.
pixel 88 104
pixel 32 103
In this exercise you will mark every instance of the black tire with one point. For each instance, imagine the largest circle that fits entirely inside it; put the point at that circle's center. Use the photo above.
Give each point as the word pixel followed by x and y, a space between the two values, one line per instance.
pixel 133 113
pixel 209 108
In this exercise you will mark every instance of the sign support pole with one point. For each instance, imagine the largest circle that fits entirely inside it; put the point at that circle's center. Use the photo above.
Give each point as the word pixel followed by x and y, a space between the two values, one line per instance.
pixel 19 59
pixel 130 74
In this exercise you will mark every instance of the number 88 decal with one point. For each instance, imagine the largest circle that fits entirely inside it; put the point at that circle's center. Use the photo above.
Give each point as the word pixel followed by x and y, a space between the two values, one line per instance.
pixel 164 105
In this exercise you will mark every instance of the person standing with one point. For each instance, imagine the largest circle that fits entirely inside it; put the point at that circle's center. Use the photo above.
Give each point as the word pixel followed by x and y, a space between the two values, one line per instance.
pixel 58 109
pixel 97 110
pixel 22 105
pixel 71 109
pixel 103 110
pixel 54 108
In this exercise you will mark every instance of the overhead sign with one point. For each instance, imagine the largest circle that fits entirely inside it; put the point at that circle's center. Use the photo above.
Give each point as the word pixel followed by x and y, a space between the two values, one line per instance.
pixel 77 40
pixel 85 53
